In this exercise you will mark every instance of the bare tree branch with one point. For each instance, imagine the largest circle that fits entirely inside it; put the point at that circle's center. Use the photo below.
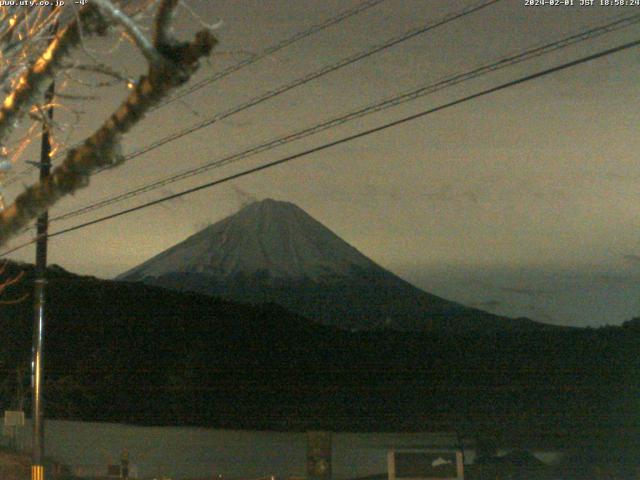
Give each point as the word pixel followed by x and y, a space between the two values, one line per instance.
pixel 33 82
pixel 7 283
pixel 15 301
pixel 117 16
pixel 162 22
pixel 180 61
pixel 100 68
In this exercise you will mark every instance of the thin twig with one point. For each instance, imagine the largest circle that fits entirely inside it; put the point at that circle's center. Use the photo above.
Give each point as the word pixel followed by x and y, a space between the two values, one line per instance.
pixel 33 82
pixel 118 16
pixel 102 148
pixel 100 68
pixel 11 281
pixel 14 301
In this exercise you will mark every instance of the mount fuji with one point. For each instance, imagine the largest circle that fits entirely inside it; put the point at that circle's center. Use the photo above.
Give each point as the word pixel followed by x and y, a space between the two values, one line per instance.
pixel 273 251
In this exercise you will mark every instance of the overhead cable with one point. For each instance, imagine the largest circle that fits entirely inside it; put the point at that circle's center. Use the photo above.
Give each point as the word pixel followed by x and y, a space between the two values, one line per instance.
pixel 341 141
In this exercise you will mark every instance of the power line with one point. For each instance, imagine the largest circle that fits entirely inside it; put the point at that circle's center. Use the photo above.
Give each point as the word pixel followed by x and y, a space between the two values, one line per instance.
pixel 271 50
pixel 249 61
pixel 313 76
pixel 308 78
pixel 343 140
pixel 373 108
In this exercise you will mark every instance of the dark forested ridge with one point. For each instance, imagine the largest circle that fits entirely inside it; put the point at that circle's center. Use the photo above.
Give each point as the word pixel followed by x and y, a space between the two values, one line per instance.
pixel 366 299
pixel 129 352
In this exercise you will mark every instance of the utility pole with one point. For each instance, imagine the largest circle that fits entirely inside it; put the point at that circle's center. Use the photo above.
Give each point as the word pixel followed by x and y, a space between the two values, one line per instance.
pixel 37 360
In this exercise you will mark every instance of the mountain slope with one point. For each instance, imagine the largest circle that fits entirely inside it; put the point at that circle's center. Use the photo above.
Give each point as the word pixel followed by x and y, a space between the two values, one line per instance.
pixel 273 251
pixel 129 352
pixel 275 238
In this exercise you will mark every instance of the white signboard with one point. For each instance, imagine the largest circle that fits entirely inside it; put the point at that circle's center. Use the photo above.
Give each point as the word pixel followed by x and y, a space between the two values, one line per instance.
pixel 425 465
pixel 13 418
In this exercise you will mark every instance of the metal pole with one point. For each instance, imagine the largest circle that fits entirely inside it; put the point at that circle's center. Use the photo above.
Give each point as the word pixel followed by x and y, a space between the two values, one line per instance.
pixel 37 362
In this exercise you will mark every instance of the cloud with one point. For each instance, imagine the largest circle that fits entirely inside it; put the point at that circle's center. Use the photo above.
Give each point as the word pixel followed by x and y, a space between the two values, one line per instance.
pixel 632 258
pixel 198 226
pixel 448 193
pixel 487 304
pixel 619 278
pixel 239 124
pixel 542 315
pixel 243 197
pixel 169 205
pixel 532 292
pixel 166 192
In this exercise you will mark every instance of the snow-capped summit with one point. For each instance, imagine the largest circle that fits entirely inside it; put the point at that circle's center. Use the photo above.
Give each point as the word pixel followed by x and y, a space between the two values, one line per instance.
pixel 273 251
pixel 268 237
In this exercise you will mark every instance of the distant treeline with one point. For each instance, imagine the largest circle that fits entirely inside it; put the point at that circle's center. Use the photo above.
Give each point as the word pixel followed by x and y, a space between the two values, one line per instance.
pixel 139 354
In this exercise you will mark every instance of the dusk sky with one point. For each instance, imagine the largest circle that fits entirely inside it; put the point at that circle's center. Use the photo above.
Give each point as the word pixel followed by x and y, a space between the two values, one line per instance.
pixel 524 202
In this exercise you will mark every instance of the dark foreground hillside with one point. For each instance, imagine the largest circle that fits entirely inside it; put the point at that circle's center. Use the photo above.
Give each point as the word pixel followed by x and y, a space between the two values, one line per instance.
pixel 140 354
